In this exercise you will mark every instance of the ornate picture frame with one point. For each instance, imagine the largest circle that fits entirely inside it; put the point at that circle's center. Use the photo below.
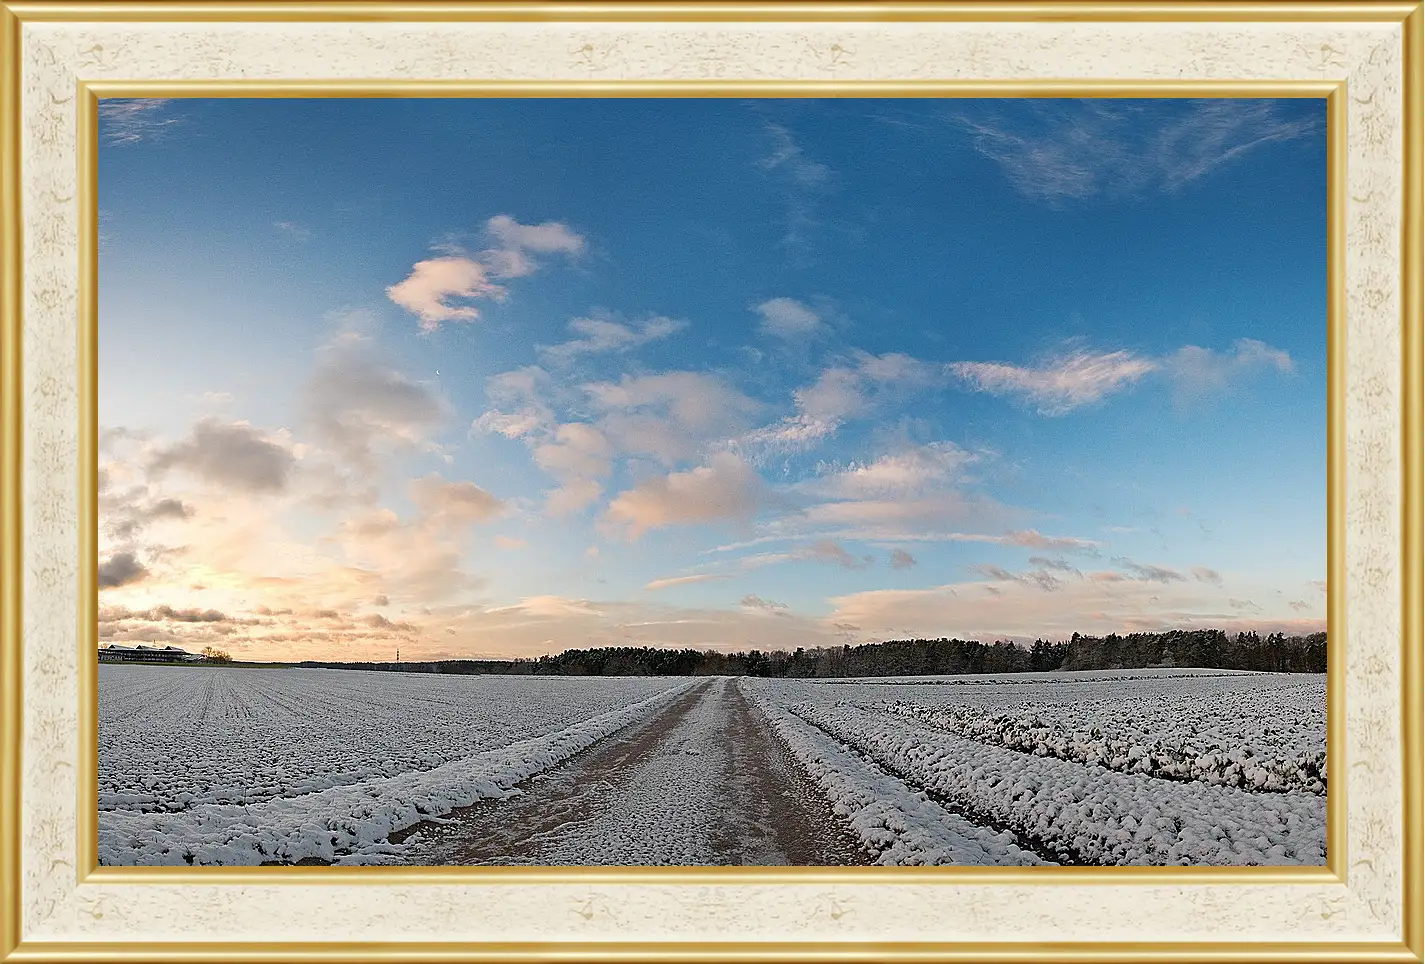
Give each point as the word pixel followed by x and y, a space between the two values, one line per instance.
pixel 60 58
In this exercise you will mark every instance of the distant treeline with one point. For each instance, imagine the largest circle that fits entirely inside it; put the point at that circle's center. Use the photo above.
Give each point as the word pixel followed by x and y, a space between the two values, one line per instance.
pixel 1206 648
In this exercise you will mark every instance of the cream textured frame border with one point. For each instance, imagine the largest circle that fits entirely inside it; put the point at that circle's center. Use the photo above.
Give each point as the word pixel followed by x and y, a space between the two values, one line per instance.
pixel 1364 56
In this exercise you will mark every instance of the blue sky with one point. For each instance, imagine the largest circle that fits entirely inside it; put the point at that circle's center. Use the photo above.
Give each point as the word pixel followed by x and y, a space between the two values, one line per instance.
pixel 503 377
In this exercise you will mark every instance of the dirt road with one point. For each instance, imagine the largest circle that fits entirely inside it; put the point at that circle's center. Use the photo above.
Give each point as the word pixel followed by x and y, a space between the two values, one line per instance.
pixel 704 782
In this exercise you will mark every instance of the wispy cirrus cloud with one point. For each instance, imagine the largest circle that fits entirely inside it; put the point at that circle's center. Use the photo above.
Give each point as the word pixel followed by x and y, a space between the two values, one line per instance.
pixel 293 230
pixel 848 389
pixel 1070 150
pixel 805 182
pixel 1081 378
pixel 1059 385
pixel 128 121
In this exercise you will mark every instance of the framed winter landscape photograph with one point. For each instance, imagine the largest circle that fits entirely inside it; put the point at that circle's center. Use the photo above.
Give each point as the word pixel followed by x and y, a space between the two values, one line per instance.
pixel 712 481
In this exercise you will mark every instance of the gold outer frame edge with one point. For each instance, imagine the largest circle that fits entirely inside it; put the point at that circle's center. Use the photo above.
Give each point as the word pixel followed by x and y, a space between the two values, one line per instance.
pixel 1412 430
pixel 88 353
pixel 1336 839
pixel 708 88
pixel 11 398
pixel 11 451
pixel 704 952
pixel 88 868
pixel 715 10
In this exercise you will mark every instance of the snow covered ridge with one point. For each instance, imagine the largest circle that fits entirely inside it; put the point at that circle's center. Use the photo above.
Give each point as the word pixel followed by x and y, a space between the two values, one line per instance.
pixel 1203 759
pixel 1086 815
pixel 1046 676
pixel 1231 729
pixel 900 825
pixel 350 824
pixel 171 737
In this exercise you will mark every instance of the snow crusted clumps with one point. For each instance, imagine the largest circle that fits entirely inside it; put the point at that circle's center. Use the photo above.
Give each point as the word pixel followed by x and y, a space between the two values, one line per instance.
pixel 1040 734
pixel 898 824
pixel 1087 815
pixel 351 823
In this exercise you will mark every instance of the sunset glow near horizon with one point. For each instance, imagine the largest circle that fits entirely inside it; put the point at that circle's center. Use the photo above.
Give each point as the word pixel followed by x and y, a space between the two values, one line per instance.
pixel 502 378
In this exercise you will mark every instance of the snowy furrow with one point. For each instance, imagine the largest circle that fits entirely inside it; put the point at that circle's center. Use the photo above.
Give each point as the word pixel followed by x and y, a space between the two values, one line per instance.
pixel 349 824
pixel 900 825
pixel 1217 718
pixel 1087 815
pixel 1037 730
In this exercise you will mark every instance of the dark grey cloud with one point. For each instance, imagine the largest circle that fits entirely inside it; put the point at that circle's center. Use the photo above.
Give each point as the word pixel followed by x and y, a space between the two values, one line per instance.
pixel 359 406
pixel 766 605
pixel 1058 565
pixel 1149 573
pixel 900 559
pixel 231 454
pixel 1204 574
pixel 120 569
pixel 1039 578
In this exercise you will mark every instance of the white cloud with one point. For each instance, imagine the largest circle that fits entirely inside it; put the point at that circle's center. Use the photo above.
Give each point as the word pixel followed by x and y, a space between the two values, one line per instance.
pixel 934 516
pixel 454 503
pixel 1198 373
pixel 604 335
pixel 536 626
pixel 725 489
pixel 823 550
pixel 519 406
pixel 1017 606
pixel 851 389
pixel 672 416
pixel 911 470
pixel 787 318
pixel 429 288
pixel 548 238
pixel 671 581
pixel 579 455
pixel 429 291
pixel 1034 539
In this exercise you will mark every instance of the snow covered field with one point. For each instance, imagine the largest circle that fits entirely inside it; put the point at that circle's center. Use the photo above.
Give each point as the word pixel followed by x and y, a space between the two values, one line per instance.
pixel 1184 767
pixel 237 765
pixel 227 765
